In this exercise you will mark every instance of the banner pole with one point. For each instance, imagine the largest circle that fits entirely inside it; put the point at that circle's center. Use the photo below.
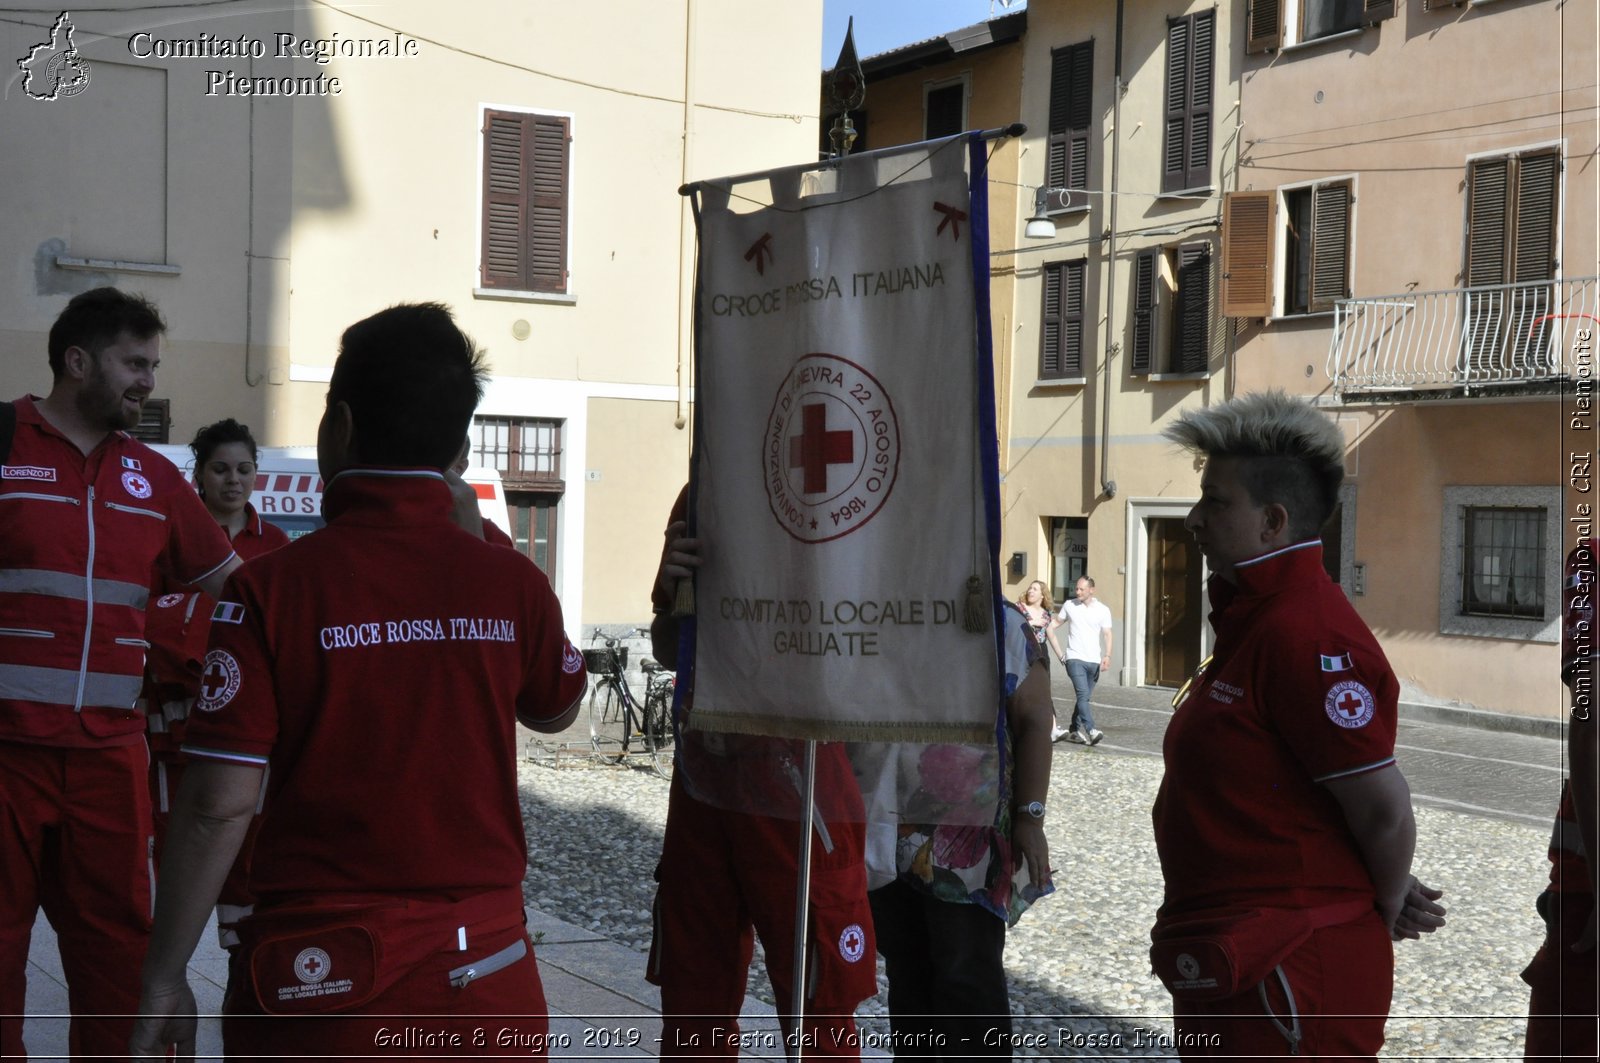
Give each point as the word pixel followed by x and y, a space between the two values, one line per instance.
pixel 802 898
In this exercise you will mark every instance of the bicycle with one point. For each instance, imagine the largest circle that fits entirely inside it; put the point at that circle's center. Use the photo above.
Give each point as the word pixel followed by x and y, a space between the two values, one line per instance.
pixel 617 721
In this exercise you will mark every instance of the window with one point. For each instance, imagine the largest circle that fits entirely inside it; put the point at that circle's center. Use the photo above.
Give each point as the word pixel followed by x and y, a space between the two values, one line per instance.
pixel 1071 79
pixel 525 452
pixel 1502 565
pixel 1171 310
pixel 155 422
pixel 525 182
pixel 1061 338
pixel 944 110
pixel 1314 239
pixel 1069 555
pixel 1512 204
pixel 1271 24
pixel 533 527
pixel 1186 155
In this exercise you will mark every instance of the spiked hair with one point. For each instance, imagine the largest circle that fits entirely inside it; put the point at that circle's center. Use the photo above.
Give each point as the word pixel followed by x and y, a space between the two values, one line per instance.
pixel 1291 454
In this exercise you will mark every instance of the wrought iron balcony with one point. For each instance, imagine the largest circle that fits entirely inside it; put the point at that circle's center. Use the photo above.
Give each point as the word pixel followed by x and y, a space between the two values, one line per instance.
pixel 1500 339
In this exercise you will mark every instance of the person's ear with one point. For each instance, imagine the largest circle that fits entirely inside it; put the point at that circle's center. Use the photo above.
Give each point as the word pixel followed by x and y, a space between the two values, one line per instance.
pixel 1274 521
pixel 75 360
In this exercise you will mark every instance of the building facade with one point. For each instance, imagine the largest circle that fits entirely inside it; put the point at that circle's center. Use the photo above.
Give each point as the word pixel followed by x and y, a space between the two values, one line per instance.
pixel 271 174
pixel 1418 256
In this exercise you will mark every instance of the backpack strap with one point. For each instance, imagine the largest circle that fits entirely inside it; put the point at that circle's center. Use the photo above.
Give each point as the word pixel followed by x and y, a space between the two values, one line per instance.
pixel 8 428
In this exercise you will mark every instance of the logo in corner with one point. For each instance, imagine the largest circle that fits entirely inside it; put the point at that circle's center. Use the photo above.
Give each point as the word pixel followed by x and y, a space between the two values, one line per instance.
pixel 312 966
pixel 219 681
pixel 571 660
pixel 852 943
pixel 1350 704
pixel 136 485
pixel 53 69
pixel 831 450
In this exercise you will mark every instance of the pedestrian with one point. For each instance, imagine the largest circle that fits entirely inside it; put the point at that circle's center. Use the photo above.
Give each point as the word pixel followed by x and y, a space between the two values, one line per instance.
pixel 1089 638
pixel 1283 825
pixel 378 666
pixel 1563 1007
pixel 178 628
pixel 85 511
pixel 1036 606
pixel 944 893
pixel 729 871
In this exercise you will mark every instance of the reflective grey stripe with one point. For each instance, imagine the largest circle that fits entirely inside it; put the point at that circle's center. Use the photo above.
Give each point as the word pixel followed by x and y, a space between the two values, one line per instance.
pixel 490 964
pixel 71 585
pixel 1566 837
pixel 17 495
pixel 27 633
pixel 59 686
pixel 135 509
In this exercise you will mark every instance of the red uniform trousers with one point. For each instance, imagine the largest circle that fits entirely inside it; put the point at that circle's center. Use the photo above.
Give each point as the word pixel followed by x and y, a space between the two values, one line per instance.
pixel 725 873
pixel 75 840
pixel 1342 979
pixel 424 1004
pixel 1563 1010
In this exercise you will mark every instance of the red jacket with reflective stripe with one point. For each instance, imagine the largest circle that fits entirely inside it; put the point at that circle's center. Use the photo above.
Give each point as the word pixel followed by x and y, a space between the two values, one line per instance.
pixel 79 535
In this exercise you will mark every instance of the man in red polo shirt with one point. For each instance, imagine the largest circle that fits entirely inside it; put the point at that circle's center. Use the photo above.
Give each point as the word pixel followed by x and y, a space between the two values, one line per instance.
pixel 1563 1008
pixel 1283 824
pixel 379 667
pixel 85 510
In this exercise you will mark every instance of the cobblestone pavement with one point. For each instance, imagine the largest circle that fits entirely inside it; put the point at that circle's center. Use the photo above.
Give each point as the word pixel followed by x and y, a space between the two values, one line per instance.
pixel 1077 962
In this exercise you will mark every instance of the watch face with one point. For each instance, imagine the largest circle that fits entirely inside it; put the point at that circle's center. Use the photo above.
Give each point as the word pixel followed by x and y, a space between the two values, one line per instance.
pixel 1035 809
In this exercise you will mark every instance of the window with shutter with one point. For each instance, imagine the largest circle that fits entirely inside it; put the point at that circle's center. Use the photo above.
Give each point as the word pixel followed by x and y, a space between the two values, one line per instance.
pixel 1186 152
pixel 945 110
pixel 1512 203
pixel 155 422
pixel 1248 220
pixel 1191 333
pixel 1146 298
pixel 525 201
pixel 1062 332
pixel 1316 269
pixel 1071 85
pixel 1264 32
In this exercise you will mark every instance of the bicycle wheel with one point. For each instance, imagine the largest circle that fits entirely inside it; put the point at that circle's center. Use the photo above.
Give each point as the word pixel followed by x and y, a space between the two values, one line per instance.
pixel 608 720
pixel 658 731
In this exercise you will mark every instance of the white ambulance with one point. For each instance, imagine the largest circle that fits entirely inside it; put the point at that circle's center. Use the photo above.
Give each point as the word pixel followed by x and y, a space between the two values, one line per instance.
pixel 288 489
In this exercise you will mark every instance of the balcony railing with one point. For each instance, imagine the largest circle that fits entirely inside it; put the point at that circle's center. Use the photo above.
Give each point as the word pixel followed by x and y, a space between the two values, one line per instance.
pixel 1500 338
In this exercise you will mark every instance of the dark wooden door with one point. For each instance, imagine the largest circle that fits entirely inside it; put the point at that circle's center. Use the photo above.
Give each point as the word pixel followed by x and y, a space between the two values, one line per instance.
pixel 1174 604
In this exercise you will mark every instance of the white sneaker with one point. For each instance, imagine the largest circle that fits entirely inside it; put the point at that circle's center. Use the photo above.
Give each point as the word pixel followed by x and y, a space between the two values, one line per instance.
pixel 1094 736
pixel 1057 733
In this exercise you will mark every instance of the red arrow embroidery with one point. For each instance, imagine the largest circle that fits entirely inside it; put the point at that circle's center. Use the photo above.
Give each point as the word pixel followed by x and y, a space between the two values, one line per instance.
pixel 760 251
pixel 953 217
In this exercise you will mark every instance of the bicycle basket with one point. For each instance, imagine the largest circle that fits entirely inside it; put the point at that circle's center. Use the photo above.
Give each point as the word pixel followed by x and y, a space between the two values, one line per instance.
pixel 598 661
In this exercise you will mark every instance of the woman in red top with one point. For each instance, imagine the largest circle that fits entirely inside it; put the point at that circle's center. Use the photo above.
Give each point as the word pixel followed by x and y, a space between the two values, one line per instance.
pixel 225 475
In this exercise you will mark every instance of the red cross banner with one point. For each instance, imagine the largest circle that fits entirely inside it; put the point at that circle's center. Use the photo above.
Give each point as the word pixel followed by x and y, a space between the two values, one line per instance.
pixel 844 426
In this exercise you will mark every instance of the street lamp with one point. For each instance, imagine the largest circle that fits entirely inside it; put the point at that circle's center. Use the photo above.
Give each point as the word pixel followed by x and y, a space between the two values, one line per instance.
pixel 1041 226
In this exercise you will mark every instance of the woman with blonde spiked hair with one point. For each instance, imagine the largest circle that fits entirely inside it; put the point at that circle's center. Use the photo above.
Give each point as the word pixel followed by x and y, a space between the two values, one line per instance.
pixel 1283 824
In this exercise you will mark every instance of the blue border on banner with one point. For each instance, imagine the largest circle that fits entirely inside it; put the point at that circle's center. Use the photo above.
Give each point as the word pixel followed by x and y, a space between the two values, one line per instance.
pixel 684 687
pixel 988 430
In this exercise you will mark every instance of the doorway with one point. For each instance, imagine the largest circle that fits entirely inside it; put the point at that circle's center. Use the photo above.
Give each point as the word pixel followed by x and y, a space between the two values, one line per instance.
pixel 1173 604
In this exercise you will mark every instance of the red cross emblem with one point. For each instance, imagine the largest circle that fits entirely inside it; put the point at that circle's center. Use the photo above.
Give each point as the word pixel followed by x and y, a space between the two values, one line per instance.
pixel 312 965
pixel 816 448
pixel 852 943
pixel 1350 704
pixel 831 450
pixel 219 681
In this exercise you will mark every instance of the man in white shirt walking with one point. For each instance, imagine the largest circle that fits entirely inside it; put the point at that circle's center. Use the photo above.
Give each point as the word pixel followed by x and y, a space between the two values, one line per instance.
pixel 1088 624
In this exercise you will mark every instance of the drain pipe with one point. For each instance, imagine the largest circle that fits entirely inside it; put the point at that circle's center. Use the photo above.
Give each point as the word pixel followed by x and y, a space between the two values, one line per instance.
pixel 1108 486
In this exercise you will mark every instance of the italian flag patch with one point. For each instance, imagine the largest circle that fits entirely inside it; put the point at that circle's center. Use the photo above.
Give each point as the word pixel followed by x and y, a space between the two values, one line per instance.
pixel 233 613
pixel 1340 663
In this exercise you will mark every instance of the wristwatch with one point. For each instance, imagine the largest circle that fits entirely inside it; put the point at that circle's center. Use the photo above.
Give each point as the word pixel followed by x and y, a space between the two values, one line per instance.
pixel 1034 809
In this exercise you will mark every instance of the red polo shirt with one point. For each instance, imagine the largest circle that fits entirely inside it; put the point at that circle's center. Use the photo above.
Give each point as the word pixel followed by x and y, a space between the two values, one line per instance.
pixel 378 665
pixel 1298 692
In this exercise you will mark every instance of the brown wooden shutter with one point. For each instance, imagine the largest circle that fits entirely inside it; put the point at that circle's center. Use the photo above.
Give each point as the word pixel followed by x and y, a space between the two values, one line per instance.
pixel 1146 281
pixel 1247 228
pixel 1535 251
pixel 1377 10
pixel 1186 150
pixel 1330 245
pixel 1264 26
pixel 1191 333
pixel 1072 274
pixel 525 182
pixel 1488 182
pixel 1071 94
pixel 505 201
pixel 1050 330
